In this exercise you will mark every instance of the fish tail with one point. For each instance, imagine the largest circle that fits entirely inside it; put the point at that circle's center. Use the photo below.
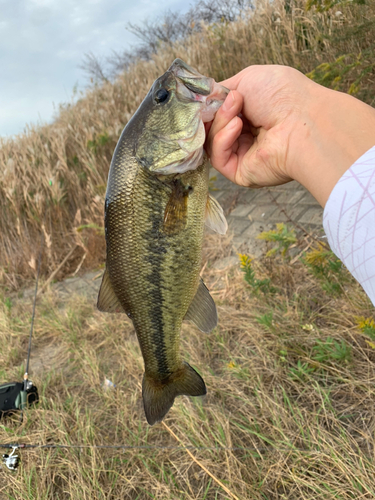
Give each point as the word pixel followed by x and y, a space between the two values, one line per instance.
pixel 158 395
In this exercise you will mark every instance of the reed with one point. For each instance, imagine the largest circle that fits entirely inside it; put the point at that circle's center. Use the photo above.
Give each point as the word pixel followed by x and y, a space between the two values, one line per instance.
pixel 53 177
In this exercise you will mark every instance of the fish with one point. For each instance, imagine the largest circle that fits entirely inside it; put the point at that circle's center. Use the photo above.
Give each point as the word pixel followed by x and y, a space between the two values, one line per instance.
pixel 156 206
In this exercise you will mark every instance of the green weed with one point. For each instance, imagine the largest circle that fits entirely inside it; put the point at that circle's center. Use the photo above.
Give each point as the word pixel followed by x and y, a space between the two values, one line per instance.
pixel 301 372
pixel 336 74
pixel 8 303
pixel 327 268
pixel 257 285
pixel 331 350
pixel 282 236
pixel 98 142
pixel 266 320
pixel 367 326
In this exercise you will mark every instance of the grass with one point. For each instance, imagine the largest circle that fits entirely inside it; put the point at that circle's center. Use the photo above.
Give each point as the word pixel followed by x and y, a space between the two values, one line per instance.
pixel 53 177
pixel 290 368
pixel 288 414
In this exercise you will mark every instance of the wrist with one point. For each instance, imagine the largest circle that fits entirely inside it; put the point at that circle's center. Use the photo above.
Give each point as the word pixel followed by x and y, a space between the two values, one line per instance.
pixel 334 130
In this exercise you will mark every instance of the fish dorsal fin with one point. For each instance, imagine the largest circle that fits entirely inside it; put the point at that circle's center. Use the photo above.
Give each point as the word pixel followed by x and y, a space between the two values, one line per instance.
pixel 215 218
pixel 107 300
pixel 202 310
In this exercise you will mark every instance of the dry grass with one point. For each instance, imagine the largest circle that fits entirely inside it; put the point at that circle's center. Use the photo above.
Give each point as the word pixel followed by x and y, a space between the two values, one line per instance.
pixel 290 407
pixel 54 176
pixel 289 413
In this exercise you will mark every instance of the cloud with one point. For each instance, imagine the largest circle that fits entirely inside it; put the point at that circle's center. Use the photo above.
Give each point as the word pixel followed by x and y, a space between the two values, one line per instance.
pixel 42 43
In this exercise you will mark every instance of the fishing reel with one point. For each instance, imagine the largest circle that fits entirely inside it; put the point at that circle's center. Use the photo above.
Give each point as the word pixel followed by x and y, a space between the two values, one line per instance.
pixel 12 461
pixel 15 396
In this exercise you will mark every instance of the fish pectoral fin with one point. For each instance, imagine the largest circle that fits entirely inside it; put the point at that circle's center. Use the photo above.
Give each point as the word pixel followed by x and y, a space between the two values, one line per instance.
pixel 202 310
pixel 215 218
pixel 159 395
pixel 107 299
pixel 175 213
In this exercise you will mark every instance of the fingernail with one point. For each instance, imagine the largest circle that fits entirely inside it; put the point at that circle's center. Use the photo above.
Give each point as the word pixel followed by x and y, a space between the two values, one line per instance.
pixel 231 124
pixel 229 102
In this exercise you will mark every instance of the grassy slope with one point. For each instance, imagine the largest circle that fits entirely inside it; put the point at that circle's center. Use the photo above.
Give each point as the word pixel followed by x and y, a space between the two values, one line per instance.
pixel 55 175
pixel 290 374
pixel 290 380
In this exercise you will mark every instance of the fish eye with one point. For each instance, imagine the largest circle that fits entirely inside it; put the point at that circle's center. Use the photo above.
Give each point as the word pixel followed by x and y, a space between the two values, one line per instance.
pixel 161 95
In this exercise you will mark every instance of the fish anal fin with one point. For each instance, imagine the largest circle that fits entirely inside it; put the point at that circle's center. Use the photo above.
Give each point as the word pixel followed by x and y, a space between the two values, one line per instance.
pixel 107 299
pixel 175 214
pixel 159 395
pixel 215 218
pixel 202 310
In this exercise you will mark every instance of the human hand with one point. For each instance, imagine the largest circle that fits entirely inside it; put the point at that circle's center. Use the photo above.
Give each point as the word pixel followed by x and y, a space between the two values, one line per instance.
pixel 289 128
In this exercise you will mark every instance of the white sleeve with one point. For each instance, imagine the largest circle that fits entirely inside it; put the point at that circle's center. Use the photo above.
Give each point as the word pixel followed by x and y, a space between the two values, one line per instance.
pixel 349 221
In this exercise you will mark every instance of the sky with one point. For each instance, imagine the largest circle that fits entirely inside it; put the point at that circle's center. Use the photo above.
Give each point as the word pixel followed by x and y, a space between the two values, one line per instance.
pixel 43 42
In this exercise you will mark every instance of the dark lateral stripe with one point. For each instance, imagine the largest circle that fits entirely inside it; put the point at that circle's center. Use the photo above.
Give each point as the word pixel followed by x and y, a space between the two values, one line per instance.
pixel 157 250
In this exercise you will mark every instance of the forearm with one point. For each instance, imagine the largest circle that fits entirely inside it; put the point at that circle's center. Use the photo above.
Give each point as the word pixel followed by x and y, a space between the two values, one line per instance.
pixel 330 136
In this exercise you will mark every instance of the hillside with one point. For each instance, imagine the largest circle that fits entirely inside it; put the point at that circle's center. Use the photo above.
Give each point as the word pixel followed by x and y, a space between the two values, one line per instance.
pixel 53 177
pixel 290 368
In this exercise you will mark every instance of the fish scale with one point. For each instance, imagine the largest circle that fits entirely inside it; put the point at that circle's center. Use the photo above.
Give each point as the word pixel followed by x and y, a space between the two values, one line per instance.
pixel 160 296
pixel 155 213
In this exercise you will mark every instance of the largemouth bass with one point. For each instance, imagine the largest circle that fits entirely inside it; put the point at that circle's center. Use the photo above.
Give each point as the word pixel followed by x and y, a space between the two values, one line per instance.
pixel 156 205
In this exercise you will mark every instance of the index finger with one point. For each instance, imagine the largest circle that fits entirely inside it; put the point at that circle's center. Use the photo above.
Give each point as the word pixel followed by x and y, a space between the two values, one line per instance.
pixel 232 82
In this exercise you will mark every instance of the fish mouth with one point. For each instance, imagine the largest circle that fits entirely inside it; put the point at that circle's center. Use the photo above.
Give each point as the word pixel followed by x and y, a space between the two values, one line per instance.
pixel 190 88
pixel 194 87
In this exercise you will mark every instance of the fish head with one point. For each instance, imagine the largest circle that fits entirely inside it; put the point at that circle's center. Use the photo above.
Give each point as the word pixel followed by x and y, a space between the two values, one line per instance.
pixel 172 134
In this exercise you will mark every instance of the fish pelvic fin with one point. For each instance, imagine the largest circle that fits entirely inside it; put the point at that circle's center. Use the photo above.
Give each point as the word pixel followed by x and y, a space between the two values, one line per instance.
pixel 159 395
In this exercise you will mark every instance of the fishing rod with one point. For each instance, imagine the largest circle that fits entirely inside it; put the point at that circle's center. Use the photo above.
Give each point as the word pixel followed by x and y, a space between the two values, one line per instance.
pixel 12 461
pixel 17 396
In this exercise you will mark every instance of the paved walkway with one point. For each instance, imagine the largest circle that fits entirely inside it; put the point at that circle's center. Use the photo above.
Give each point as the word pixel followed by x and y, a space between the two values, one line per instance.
pixel 251 211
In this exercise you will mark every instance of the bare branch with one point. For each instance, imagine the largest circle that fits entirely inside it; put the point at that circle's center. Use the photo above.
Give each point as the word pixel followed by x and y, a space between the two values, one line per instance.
pixel 94 68
pixel 168 29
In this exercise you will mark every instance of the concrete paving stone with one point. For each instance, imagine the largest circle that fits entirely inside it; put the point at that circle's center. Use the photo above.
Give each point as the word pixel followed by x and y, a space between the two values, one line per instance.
pixel 290 198
pixel 308 199
pixel 291 212
pixel 289 186
pixel 261 212
pixel 93 274
pixel 241 211
pixel 217 194
pixel 237 226
pixel 254 211
pixel 256 228
pixel 255 248
pixel 252 247
pixel 247 241
pixel 314 215
pixel 217 186
pixel 228 202
pixel 266 195
pixel 247 195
